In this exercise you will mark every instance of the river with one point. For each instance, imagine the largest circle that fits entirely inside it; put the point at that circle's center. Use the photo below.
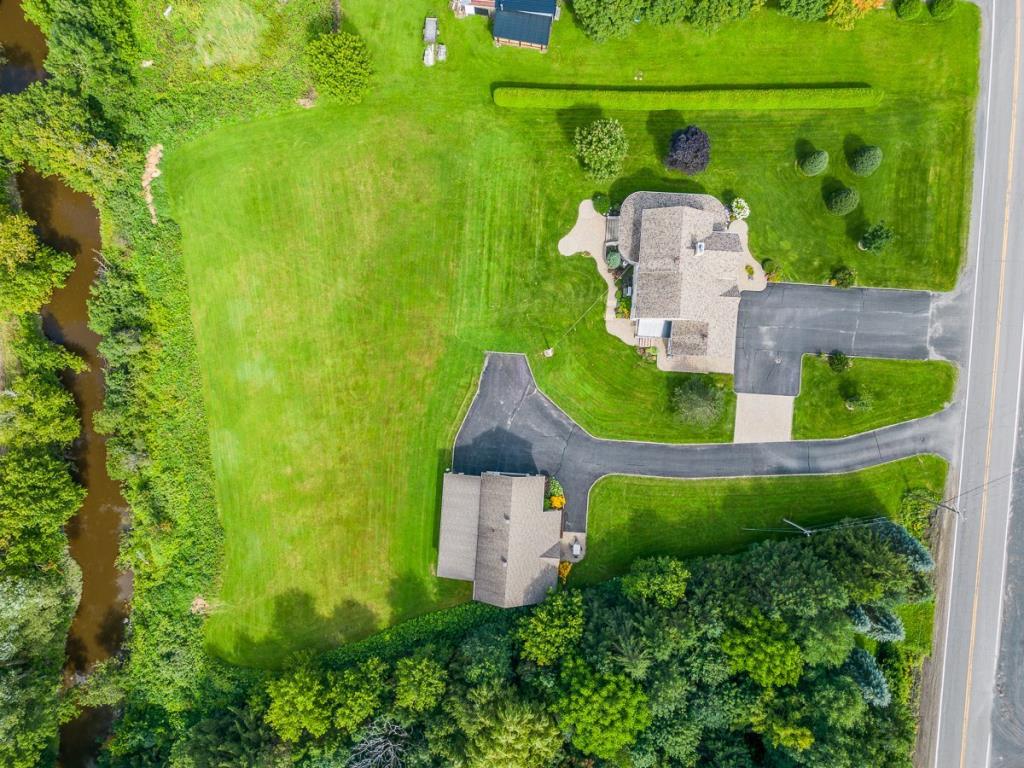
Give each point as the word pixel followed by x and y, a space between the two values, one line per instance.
pixel 69 221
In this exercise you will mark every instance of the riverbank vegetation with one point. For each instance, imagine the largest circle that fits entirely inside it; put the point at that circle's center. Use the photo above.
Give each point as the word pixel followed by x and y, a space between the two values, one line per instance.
pixel 869 394
pixel 39 583
pixel 348 266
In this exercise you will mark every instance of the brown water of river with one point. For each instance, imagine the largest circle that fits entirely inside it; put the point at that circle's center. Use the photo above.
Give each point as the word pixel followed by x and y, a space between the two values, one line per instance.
pixel 69 221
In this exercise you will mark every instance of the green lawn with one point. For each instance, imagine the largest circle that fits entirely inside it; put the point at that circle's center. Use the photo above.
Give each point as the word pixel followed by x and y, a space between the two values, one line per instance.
pixel 630 517
pixel 890 391
pixel 349 266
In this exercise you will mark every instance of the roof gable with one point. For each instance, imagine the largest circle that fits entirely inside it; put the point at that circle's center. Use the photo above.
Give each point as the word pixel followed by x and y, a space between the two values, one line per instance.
pixel 543 7
pixel 515 537
pixel 531 28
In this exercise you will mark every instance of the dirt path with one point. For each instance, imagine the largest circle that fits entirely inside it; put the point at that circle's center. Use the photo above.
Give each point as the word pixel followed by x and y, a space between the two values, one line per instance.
pixel 151 171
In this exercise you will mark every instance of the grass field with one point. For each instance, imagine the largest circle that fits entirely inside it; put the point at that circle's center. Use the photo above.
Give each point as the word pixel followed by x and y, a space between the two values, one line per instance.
pixel 348 267
pixel 630 517
pixel 890 390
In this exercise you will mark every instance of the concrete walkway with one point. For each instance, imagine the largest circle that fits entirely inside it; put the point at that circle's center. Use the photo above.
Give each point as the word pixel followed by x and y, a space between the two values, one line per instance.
pixel 763 418
pixel 513 427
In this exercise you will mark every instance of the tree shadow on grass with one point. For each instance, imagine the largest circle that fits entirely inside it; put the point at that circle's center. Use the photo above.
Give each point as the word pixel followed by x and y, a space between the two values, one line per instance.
pixel 297 626
pixel 802 148
pixel 851 143
pixel 660 127
pixel 574 117
pixel 652 180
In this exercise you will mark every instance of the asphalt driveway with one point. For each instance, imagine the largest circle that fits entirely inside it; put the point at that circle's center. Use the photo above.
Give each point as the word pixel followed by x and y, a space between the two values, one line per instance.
pixel 785 321
pixel 513 427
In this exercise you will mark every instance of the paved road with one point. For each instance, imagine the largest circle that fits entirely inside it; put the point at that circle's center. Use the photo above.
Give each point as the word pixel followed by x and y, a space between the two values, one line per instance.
pixel 513 427
pixel 960 726
pixel 785 321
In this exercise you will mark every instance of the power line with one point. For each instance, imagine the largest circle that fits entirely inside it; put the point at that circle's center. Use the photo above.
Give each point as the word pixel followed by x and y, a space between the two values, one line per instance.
pixel 603 295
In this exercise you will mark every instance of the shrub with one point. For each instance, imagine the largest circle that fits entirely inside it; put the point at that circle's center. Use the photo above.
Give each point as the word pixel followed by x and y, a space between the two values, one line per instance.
pixel 808 10
pixel 601 147
pixel 658 580
pixel 886 626
pixel 605 19
pixel 877 238
pixel 689 151
pixel 698 400
pixel 553 629
pixel 814 163
pixel 613 259
pixel 420 683
pixel 601 203
pixel 739 209
pixel 864 671
pixel 770 267
pixel 845 14
pixel 707 99
pixel 843 277
pixel 843 201
pixel 838 361
pixel 340 65
pixel 942 9
pixel 908 9
pixel 866 160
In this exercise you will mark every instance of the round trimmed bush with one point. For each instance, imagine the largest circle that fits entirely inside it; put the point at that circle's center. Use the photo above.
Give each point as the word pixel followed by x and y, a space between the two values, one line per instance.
pixel 843 201
pixel 908 9
pixel 942 9
pixel 814 163
pixel 601 147
pixel 689 151
pixel 601 203
pixel 843 277
pixel 613 259
pixel 866 160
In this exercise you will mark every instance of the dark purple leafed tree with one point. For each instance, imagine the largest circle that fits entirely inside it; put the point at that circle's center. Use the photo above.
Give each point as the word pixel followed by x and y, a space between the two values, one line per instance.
pixel 689 151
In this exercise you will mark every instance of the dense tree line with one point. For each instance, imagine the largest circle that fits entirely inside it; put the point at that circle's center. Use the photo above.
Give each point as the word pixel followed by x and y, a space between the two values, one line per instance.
pixel 606 19
pixel 786 655
pixel 39 583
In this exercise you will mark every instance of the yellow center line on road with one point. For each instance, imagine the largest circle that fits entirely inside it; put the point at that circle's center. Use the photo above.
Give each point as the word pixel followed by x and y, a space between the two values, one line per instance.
pixel 995 365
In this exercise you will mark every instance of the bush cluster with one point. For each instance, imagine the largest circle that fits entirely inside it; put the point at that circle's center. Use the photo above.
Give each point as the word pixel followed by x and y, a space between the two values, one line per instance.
pixel 340 65
pixel 942 9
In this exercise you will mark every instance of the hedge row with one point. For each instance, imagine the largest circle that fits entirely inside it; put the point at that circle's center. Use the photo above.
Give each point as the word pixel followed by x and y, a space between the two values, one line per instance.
pixel 736 99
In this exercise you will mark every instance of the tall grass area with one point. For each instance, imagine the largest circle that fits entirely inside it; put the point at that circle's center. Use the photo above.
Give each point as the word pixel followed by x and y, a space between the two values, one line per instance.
pixel 349 266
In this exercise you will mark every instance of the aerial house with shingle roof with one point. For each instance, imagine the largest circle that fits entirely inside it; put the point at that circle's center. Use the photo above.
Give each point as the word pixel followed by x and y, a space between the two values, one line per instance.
pixel 496 533
pixel 689 268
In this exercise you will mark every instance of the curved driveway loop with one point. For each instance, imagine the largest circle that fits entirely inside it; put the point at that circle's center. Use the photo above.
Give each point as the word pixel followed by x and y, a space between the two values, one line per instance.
pixel 778 326
pixel 513 427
